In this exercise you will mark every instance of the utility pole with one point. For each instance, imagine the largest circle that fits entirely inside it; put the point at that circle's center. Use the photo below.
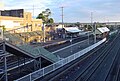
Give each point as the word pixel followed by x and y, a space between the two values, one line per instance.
pixel 62 15
pixel 92 20
pixel 33 10
pixel 93 28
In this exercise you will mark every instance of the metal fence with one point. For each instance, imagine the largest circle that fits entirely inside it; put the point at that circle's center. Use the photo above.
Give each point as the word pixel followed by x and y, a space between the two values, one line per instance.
pixel 113 32
pixel 39 73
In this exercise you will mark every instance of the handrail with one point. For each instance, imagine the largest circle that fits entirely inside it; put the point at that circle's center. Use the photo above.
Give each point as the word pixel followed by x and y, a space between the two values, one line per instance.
pixel 41 72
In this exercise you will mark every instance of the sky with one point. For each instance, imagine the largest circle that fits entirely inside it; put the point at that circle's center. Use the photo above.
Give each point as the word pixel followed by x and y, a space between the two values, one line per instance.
pixel 74 10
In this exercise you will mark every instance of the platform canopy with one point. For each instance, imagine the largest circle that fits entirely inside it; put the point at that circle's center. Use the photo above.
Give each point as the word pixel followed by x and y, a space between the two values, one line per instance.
pixel 103 29
pixel 72 29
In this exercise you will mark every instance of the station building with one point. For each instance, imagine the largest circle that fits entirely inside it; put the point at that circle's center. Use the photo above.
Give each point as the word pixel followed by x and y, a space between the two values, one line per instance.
pixel 20 25
pixel 12 19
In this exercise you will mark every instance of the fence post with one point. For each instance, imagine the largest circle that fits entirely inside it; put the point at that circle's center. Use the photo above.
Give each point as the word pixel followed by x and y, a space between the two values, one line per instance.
pixel 30 77
pixel 43 71
pixel 53 66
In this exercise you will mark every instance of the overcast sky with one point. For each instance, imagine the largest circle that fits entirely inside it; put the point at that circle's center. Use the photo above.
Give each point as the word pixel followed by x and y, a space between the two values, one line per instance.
pixel 74 10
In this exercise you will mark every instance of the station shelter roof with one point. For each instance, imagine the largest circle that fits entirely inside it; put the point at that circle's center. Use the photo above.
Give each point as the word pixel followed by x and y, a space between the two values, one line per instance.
pixel 103 29
pixel 72 29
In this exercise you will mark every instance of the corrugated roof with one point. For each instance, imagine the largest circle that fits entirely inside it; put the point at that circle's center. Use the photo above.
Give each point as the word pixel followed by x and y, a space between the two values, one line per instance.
pixel 72 29
pixel 103 29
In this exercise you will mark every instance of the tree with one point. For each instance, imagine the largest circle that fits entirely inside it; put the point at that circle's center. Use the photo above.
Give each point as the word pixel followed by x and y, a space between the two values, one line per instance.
pixel 88 27
pixel 47 12
pixel 45 16
pixel 98 25
pixel 41 16
pixel 51 21
pixel 77 24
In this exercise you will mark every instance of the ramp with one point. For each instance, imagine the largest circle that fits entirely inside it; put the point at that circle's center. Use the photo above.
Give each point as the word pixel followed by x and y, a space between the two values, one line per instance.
pixel 38 51
pixel 31 52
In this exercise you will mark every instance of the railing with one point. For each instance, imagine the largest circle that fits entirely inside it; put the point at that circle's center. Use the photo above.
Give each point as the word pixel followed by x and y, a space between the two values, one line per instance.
pixel 39 73
pixel 113 32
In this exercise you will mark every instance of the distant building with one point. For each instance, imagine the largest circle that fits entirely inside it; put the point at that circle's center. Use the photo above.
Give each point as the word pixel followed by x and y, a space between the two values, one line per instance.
pixel 12 19
pixel 13 13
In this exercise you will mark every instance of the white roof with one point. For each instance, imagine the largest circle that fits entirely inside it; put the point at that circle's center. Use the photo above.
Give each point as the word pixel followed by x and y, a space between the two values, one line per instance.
pixel 72 29
pixel 103 29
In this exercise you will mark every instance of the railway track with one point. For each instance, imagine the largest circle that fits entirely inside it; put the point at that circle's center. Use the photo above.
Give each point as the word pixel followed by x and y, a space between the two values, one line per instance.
pixel 118 74
pixel 73 66
pixel 84 74
pixel 114 72
pixel 100 70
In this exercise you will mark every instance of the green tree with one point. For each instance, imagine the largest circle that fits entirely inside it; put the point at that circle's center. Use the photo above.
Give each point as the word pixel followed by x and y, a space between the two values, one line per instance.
pixel 51 21
pixel 99 25
pixel 88 27
pixel 45 16
pixel 41 16
pixel 77 24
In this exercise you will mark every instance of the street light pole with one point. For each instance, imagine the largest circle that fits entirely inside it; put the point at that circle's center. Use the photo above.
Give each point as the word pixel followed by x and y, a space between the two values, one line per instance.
pixel 94 28
pixel 62 15
pixel 33 10
pixel 92 20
